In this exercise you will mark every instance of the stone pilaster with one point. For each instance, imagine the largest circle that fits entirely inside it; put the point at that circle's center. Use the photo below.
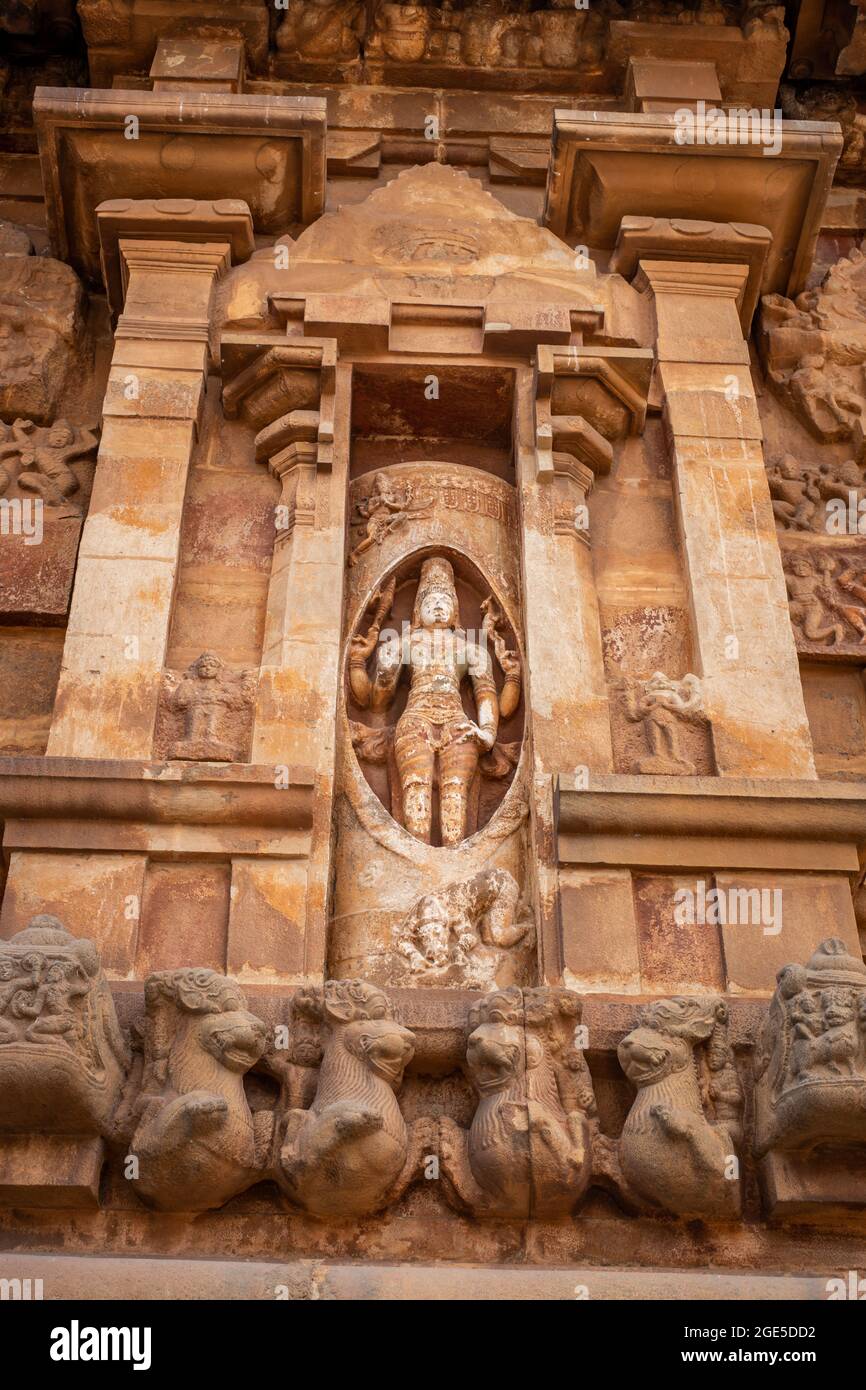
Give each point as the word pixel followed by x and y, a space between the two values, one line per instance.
pixel 743 639
pixel 121 605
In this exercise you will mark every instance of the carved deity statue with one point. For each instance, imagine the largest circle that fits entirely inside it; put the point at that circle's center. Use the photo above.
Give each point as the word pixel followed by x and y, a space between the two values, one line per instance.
pixel 463 932
pixel 660 704
pixel 677 1149
pixel 204 696
pixel 435 740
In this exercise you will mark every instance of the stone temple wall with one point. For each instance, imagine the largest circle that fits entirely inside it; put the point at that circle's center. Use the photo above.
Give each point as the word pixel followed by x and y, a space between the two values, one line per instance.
pixel 432 647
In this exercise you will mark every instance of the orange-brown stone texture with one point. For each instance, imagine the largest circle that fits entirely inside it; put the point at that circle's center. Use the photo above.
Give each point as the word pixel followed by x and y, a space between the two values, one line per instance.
pixel 432 648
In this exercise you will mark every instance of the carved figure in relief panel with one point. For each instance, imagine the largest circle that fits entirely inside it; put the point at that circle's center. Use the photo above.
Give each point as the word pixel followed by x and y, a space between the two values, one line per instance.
pixel 204 697
pixel 815 348
pixel 822 594
pixel 435 744
pixel 810 1064
pixel 351 1153
pixel 43 455
pixel 388 506
pixel 463 933
pixel 401 32
pixel 678 1145
pixel 660 704
pixel 196 1141
pixel 528 1152
pixel 316 29
pixel 63 1057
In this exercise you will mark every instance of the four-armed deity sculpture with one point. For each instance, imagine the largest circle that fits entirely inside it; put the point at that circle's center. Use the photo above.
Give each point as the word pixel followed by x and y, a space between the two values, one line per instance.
pixel 436 743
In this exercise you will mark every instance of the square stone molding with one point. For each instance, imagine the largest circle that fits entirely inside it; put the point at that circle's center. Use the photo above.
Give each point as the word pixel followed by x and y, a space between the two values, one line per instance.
pixel 268 151
pixel 606 166
pixel 682 239
pixel 167 219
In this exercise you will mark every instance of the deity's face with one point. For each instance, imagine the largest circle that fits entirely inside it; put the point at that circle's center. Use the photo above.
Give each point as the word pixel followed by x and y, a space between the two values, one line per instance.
pixel 208 667
pixel 59 436
pixel 438 609
pixel 838 1007
pixel 802 568
pixel 433 935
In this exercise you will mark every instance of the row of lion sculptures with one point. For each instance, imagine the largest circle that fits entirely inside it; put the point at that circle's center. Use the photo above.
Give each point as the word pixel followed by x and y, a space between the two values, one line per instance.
pixel 172 1101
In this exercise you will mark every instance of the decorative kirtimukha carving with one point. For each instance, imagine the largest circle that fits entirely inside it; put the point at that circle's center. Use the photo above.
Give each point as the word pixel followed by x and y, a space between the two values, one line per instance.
pixel 460 934
pixel 434 735
pixel 661 703
pixel 678 1144
pixel 351 1153
pixel 388 506
pixel 196 1141
pixel 810 1065
pixel 528 1151
pixel 822 590
pixel 63 1057
pixel 317 29
pixel 43 455
pixel 204 697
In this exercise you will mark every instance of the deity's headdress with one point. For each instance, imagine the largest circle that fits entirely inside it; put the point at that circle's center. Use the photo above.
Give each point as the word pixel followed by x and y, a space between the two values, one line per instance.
pixel 437 575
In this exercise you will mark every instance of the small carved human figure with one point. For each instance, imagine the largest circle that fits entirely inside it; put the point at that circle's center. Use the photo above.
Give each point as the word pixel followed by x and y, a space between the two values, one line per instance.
pixel 810 1063
pixel 677 1149
pixel 388 506
pixel 196 1141
pixel 434 737
pixel 817 598
pixel 350 1153
pixel 44 455
pixel 528 1151
pixel 794 492
pixel 463 931
pixel 810 601
pixel 660 704
pixel 63 1057
pixel 204 696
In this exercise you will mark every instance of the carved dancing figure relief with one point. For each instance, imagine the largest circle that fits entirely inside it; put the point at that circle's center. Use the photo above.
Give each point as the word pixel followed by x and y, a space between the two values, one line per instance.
pixel 821 601
pixel 661 704
pixel 388 506
pixel 43 455
pixel 437 746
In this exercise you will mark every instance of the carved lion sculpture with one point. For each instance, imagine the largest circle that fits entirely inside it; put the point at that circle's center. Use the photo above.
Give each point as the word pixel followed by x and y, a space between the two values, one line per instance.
pixel 528 1151
pixel 197 1142
pixel 671 1154
pixel 350 1153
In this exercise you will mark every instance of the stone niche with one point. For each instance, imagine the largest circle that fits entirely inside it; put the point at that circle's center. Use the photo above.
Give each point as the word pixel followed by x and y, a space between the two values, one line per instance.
pixel 431 883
